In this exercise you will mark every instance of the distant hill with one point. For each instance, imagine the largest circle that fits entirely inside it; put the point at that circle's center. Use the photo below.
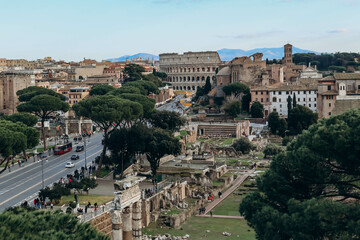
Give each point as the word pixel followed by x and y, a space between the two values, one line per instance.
pixel 270 53
pixel 142 55
pixel 227 54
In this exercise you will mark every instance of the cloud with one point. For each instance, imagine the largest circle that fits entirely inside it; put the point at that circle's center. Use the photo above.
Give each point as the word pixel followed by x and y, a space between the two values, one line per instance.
pixel 339 31
pixel 253 35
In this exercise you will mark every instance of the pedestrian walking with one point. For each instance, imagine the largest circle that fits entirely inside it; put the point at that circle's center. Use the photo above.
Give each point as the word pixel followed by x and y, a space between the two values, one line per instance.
pixel 219 194
pixel 86 208
pixel 51 206
pixel 210 213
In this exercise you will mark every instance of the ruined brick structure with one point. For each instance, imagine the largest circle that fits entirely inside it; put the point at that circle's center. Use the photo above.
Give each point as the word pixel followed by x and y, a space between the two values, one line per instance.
pixel 249 70
pixel 10 83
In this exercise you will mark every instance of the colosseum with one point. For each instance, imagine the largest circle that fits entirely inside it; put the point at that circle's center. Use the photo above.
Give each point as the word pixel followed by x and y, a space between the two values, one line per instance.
pixel 190 70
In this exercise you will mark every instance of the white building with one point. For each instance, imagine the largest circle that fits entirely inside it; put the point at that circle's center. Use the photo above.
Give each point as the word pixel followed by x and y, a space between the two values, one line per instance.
pixel 275 97
pixel 304 96
pixel 310 72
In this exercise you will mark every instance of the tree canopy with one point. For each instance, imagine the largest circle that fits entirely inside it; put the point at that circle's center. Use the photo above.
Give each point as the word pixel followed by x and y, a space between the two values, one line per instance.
pixel 21 223
pixel 28 93
pixel 312 190
pixel 257 110
pixel 23 117
pixel 236 89
pixel 159 143
pixel 171 121
pixel 125 89
pixel 233 108
pixel 243 145
pixel 145 87
pixel 148 104
pixel 207 86
pixel 101 89
pixel 43 106
pixel 133 72
pixel 108 112
pixel 11 143
pixel 300 118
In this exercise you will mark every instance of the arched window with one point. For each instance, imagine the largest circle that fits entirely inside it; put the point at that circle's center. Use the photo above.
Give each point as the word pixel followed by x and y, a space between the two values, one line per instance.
pixel 274 99
pixel 180 79
pixel 202 78
pixel 198 79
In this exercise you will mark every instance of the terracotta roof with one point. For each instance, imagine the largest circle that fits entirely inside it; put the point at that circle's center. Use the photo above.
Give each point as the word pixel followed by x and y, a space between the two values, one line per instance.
pixel 330 92
pixel 328 78
pixel 285 87
pixel 346 76
pixel 212 92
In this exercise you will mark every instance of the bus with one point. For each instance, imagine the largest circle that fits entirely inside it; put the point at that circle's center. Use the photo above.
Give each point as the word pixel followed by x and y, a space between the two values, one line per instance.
pixel 64 148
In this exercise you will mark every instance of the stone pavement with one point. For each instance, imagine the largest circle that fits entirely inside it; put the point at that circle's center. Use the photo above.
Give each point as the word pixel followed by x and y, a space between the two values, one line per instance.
pixel 239 180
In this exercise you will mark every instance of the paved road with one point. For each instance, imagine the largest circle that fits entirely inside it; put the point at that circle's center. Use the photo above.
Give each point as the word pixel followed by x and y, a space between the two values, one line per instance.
pixel 173 105
pixel 23 182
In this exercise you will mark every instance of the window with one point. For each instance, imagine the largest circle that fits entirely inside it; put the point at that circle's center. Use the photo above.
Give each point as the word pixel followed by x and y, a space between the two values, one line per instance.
pixel 309 99
pixel 309 105
pixel 256 93
pixel 358 87
pixel 267 99
pixel 304 99
pixel 329 104
pixel 314 105
pixel 287 92
pixel 274 100
pixel 262 100
pixel 304 92
pixel 298 99
pixel 279 93
pixel 329 113
pixel 298 92
pixel 261 93
pixel 315 99
pixel 280 106
pixel 329 87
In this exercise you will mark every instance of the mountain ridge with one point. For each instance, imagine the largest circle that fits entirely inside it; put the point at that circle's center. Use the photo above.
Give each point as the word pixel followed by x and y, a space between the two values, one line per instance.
pixel 226 54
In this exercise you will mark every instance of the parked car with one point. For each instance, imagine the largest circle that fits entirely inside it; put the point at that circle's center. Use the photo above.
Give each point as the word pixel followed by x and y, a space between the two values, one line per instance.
pixel 79 148
pixel 69 165
pixel 75 157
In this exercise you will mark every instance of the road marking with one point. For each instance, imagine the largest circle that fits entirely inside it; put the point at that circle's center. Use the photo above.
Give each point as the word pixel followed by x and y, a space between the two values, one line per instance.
pixel 44 181
pixel 14 171
pixel 51 161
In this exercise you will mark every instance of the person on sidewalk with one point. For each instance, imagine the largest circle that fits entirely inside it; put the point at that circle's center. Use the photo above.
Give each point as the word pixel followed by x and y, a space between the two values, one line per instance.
pixel 219 194
pixel 210 213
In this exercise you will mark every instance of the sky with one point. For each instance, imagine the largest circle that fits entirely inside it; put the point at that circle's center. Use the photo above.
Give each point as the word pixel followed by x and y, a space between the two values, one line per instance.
pixel 102 29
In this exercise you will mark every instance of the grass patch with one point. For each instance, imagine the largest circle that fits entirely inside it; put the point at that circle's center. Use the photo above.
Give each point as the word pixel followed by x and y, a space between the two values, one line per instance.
pixel 227 141
pixel 217 183
pixel 103 172
pixel 84 199
pixel 172 212
pixel 196 227
pixel 40 149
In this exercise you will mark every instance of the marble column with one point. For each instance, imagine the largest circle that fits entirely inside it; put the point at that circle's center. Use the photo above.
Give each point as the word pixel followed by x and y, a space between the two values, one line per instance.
pixel 127 223
pixel 117 232
pixel 136 220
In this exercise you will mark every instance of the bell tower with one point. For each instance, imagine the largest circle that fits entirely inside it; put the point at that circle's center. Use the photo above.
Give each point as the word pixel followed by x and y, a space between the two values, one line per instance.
pixel 287 60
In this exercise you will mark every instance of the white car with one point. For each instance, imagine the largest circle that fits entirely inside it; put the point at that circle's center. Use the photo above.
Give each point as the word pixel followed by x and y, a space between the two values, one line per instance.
pixel 69 165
